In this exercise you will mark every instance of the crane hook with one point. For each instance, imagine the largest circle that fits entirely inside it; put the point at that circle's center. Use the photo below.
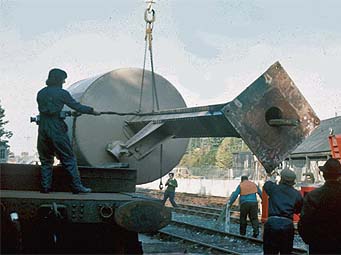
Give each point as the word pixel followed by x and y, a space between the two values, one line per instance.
pixel 149 15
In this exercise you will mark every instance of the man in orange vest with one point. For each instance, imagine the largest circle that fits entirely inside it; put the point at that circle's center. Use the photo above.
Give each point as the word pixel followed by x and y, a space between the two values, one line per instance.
pixel 248 204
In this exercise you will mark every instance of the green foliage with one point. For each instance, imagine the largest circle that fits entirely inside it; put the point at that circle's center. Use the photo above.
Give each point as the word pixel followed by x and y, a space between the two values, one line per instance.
pixel 4 134
pixel 211 153
pixel 225 151
pixel 209 172
pixel 224 154
pixel 201 152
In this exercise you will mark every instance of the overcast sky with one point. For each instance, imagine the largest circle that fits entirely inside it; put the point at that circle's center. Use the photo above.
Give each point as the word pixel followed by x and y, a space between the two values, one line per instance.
pixel 210 50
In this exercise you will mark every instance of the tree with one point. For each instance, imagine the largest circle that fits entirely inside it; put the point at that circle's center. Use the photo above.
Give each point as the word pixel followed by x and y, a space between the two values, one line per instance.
pixel 230 145
pixel 224 155
pixel 201 152
pixel 206 154
pixel 4 134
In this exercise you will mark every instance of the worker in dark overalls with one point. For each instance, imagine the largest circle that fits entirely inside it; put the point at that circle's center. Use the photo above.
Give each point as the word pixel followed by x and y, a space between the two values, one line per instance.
pixel 320 224
pixel 171 184
pixel 284 201
pixel 52 134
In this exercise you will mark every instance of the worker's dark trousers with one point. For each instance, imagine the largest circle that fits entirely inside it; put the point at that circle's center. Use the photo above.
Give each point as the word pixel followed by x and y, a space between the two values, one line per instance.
pixel 170 195
pixel 54 142
pixel 249 209
pixel 278 235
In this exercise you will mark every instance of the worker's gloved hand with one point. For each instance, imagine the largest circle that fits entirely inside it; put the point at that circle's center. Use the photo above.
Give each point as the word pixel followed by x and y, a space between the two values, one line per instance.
pixel 271 177
pixel 96 113
pixel 75 114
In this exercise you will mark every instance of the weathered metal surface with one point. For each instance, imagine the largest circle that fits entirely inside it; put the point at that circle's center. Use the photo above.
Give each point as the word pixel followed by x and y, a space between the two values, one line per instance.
pixel 143 216
pixel 209 121
pixel 272 96
pixel 18 181
pixel 105 197
pixel 130 212
pixel 155 129
pixel 86 208
pixel 27 177
pixel 119 91
pixel 62 213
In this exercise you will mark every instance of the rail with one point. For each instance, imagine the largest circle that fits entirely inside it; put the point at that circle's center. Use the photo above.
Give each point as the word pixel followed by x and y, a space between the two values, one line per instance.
pixel 216 240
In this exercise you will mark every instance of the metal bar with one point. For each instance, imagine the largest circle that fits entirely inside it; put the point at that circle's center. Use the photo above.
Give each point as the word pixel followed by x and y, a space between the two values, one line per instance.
pixel 283 122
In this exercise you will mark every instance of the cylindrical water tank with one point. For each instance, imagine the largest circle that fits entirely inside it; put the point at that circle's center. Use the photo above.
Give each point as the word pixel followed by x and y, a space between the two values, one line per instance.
pixel 120 91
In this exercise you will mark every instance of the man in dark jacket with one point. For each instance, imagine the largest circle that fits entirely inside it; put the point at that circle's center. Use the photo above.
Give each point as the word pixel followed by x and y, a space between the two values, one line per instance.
pixel 171 184
pixel 52 134
pixel 284 201
pixel 320 224
pixel 248 204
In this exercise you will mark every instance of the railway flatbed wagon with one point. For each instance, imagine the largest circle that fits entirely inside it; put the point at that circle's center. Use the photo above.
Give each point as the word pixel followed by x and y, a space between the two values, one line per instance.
pixel 105 221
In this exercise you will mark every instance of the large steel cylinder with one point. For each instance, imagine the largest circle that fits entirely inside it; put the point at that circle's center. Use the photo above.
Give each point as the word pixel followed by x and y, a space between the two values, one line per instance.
pixel 120 91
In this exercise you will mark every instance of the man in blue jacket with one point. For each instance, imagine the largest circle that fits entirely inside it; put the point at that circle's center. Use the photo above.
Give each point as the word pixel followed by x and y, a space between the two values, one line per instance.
pixel 284 201
pixel 248 204
pixel 52 133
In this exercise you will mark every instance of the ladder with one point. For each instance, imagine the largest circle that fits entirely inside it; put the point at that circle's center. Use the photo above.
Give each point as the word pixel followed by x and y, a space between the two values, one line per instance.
pixel 335 146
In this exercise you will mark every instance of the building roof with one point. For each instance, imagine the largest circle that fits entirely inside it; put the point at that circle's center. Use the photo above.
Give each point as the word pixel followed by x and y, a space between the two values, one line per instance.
pixel 317 142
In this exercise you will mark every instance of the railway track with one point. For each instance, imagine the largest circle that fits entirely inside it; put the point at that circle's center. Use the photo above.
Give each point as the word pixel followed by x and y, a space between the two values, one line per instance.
pixel 209 237
pixel 214 213
pixel 207 209
pixel 211 214
pixel 215 241
pixel 206 212
pixel 188 198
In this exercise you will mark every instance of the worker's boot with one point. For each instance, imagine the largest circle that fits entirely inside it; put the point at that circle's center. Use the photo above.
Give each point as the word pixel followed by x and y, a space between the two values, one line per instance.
pixel 77 186
pixel 81 189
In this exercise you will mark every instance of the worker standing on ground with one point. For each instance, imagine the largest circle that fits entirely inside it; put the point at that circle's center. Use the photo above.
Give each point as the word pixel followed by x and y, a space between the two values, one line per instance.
pixel 284 201
pixel 170 190
pixel 248 204
pixel 320 224
pixel 52 133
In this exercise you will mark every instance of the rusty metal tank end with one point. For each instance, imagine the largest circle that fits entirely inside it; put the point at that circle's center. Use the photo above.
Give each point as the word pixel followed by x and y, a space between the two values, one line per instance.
pixel 272 116
pixel 143 216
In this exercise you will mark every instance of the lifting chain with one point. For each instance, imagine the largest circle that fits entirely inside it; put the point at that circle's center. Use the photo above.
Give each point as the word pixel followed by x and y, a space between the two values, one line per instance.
pixel 149 17
pixel 161 163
